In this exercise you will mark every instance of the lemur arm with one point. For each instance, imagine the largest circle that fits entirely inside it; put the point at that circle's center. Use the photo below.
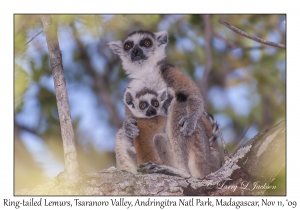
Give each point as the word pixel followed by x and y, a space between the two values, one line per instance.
pixel 185 91
pixel 125 150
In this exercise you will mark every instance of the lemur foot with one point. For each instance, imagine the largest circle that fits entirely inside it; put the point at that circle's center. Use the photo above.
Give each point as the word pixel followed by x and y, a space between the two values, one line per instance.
pixel 130 128
pixel 151 168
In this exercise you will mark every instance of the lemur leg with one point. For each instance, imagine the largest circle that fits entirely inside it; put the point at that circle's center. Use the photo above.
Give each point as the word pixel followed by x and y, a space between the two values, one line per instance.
pixel 165 153
pixel 163 148
pixel 125 150
pixel 125 153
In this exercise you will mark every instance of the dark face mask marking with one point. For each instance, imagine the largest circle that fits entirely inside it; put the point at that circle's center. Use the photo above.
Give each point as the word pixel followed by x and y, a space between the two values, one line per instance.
pixel 151 111
pixel 137 54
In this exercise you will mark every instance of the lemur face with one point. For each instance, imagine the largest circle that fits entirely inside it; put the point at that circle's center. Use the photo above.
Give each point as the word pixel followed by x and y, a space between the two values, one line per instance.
pixel 140 48
pixel 148 103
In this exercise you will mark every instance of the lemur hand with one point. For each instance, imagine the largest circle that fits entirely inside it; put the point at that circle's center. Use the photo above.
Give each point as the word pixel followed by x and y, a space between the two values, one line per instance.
pixel 130 128
pixel 188 124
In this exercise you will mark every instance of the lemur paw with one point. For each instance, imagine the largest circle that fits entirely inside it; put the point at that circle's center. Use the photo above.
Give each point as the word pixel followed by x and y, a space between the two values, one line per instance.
pixel 188 125
pixel 152 168
pixel 130 128
pixel 146 168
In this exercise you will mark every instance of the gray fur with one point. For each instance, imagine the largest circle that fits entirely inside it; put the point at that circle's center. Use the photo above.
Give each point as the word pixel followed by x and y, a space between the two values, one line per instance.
pixel 145 91
pixel 162 38
pixel 130 128
pixel 141 32
pixel 116 47
pixel 215 127
pixel 125 153
pixel 131 153
pixel 163 96
pixel 188 124
pixel 163 146
pixel 167 103
pixel 128 99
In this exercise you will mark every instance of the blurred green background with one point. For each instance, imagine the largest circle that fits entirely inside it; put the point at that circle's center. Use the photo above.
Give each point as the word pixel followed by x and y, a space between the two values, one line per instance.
pixel 245 89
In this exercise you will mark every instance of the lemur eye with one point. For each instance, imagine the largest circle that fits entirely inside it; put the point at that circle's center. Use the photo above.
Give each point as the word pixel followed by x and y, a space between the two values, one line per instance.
pixel 143 105
pixel 127 46
pixel 155 103
pixel 147 43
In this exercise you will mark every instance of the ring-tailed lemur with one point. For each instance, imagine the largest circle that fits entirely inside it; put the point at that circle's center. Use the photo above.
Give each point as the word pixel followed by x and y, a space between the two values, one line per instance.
pixel 136 142
pixel 143 59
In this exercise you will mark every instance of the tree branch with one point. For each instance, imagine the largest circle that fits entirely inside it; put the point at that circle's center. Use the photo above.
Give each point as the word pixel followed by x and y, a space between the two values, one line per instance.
pixel 28 42
pixel 241 139
pixel 257 39
pixel 233 46
pixel 70 155
pixel 19 127
pixel 33 37
pixel 259 161
pixel 209 60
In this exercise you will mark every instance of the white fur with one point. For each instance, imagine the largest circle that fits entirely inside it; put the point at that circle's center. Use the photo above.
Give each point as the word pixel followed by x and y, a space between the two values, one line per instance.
pixel 124 145
pixel 151 81
pixel 137 112
pixel 147 97
pixel 140 69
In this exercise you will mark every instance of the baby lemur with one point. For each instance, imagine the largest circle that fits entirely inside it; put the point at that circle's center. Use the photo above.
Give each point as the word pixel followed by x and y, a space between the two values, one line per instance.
pixel 136 142
pixel 143 59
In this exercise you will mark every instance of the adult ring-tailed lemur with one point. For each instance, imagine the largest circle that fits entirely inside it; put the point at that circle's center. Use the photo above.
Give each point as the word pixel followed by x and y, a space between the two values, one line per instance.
pixel 182 126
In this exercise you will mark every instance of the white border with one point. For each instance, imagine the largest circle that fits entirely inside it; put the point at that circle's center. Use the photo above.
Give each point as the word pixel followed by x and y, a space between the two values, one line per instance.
pixel 154 6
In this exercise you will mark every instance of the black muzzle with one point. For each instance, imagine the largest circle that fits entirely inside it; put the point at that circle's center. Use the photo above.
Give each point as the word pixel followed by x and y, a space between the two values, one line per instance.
pixel 150 112
pixel 137 54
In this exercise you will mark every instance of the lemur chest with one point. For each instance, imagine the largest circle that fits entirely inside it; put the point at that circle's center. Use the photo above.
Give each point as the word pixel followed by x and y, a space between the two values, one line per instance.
pixel 152 81
pixel 151 126
pixel 144 142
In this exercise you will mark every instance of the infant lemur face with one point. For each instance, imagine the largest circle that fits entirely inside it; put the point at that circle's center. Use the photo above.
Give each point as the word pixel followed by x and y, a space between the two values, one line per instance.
pixel 148 103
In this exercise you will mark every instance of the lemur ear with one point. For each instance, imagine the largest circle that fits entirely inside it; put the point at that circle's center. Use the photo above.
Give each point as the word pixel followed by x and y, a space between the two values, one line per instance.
pixel 116 46
pixel 162 94
pixel 128 99
pixel 162 38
